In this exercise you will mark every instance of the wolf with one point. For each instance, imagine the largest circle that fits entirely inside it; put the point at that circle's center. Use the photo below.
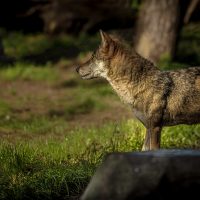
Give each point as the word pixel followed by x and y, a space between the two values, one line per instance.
pixel 157 98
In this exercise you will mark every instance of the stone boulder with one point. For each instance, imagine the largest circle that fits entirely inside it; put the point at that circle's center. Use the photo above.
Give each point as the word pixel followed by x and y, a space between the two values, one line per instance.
pixel 156 175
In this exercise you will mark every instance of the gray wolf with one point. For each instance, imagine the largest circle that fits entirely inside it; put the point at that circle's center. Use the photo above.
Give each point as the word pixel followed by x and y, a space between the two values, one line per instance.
pixel 157 98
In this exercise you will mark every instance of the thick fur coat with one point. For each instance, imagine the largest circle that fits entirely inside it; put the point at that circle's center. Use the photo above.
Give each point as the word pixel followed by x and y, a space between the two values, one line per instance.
pixel 157 98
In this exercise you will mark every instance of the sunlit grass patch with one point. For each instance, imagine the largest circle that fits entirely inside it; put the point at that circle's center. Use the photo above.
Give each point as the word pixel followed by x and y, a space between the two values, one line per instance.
pixel 78 145
pixel 32 127
pixel 26 71
pixel 55 169
pixel 58 169
pixel 125 136
pixel 182 136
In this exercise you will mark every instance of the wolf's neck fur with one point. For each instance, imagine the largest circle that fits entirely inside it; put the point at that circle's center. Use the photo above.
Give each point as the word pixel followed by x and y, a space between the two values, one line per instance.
pixel 129 74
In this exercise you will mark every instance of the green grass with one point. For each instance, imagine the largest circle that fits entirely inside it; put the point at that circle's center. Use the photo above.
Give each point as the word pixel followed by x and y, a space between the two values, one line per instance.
pixel 86 100
pixel 83 107
pixel 57 169
pixel 61 169
pixel 19 45
pixel 182 136
pixel 25 128
pixel 4 108
pixel 34 176
pixel 27 71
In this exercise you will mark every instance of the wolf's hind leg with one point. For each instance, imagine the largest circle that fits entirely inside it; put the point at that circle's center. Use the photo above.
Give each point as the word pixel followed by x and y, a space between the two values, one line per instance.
pixel 146 144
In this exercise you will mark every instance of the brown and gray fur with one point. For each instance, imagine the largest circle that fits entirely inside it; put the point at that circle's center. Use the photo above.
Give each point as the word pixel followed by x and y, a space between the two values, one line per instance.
pixel 157 98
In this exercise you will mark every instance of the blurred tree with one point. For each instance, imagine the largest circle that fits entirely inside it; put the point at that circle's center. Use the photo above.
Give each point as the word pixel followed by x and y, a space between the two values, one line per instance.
pixel 86 15
pixel 157 28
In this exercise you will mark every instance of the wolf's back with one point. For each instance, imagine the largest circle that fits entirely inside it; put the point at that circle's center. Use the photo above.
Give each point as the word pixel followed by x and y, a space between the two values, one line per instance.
pixel 184 97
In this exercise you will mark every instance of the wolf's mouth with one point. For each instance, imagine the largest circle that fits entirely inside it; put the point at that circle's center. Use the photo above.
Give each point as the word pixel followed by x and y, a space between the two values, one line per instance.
pixel 86 76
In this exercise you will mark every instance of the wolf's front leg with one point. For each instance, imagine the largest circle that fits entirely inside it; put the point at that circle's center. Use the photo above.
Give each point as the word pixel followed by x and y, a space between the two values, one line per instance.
pixel 146 144
pixel 152 139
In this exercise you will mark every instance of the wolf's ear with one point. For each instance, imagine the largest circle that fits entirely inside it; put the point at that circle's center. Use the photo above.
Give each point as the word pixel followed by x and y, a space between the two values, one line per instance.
pixel 105 38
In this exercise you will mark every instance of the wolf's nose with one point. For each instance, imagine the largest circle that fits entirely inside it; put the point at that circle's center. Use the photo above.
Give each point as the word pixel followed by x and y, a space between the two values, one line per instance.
pixel 77 69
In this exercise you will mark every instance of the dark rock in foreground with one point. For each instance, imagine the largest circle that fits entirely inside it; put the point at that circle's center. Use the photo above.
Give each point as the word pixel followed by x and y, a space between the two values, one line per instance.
pixel 153 175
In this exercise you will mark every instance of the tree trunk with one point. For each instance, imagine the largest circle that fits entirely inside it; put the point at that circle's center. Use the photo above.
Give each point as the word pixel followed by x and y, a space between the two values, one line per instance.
pixel 157 28
pixel 86 15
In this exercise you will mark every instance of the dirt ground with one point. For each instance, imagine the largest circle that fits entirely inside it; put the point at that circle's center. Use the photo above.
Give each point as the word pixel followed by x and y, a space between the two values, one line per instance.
pixel 27 98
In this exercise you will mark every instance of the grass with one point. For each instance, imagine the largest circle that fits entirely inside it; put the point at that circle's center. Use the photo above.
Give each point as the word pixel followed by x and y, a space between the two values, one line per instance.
pixel 27 71
pixel 4 108
pixel 40 48
pixel 33 176
pixel 54 169
pixel 38 126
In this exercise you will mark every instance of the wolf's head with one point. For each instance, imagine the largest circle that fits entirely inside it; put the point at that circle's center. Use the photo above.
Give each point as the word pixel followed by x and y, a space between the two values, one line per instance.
pixel 99 63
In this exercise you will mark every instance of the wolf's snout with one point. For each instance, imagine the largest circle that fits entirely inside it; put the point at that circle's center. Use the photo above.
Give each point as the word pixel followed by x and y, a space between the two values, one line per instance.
pixel 77 69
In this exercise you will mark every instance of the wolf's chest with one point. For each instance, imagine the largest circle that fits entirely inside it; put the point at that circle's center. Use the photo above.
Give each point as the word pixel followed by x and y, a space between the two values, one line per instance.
pixel 126 92
pixel 123 92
